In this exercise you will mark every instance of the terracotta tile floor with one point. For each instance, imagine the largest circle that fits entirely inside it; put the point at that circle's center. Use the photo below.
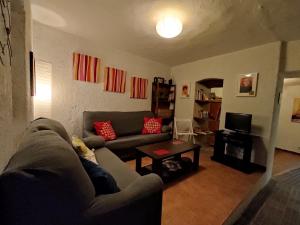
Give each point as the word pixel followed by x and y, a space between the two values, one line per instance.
pixel 206 197
pixel 285 161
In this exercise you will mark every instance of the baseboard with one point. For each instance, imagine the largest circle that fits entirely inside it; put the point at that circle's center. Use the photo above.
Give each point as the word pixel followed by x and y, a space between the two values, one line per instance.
pixel 286 150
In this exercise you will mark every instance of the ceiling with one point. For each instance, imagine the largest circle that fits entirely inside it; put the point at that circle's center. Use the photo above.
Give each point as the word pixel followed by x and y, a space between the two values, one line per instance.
pixel 210 27
pixel 292 81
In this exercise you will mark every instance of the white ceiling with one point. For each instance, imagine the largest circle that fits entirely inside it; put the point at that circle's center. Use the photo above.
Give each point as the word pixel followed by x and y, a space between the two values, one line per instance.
pixel 210 27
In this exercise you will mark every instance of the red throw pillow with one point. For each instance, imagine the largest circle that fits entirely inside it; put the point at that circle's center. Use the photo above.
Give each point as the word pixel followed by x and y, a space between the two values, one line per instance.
pixel 105 130
pixel 152 125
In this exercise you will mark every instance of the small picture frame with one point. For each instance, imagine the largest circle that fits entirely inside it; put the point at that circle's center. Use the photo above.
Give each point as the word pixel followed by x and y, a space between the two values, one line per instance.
pixel 32 74
pixel 296 111
pixel 185 90
pixel 247 85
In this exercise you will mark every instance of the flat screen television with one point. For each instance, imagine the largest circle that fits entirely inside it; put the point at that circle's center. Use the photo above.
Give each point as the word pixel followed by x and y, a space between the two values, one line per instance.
pixel 239 122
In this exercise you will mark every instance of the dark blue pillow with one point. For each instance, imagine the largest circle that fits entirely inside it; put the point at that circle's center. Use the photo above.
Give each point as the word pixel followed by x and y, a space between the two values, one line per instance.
pixel 103 182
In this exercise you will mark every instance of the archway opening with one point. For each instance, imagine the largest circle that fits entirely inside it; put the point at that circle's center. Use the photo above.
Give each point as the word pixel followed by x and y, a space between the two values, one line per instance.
pixel 207 109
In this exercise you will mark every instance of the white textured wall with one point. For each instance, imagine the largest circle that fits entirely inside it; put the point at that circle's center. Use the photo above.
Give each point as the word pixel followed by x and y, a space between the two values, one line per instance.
pixel 70 98
pixel 15 100
pixel 22 43
pixel 262 59
pixel 288 132
pixel 292 56
pixel 5 105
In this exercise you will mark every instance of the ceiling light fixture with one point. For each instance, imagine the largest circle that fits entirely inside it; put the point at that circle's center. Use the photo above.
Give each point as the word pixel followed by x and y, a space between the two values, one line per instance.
pixel 169 27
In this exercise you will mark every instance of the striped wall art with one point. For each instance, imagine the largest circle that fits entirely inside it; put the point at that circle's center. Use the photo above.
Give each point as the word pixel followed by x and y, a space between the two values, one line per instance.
pixel 114 80
pixel 139 88
pixel 86 68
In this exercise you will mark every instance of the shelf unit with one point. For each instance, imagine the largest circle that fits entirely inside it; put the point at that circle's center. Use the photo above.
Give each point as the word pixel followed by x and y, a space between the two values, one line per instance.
pixel 207 109
pixel 163 102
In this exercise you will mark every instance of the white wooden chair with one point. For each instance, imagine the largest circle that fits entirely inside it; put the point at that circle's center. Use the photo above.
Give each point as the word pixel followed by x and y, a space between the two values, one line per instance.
pixel 184 127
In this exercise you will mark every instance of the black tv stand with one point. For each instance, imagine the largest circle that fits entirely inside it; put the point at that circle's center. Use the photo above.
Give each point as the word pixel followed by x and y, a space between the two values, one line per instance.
pixel 235 139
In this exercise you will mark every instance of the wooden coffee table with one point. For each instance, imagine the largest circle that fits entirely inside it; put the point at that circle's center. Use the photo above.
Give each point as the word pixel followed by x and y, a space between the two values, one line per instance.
pixel 159 152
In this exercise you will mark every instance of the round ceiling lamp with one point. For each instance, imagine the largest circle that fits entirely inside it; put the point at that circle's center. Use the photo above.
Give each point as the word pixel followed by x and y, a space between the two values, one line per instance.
pixel 169 27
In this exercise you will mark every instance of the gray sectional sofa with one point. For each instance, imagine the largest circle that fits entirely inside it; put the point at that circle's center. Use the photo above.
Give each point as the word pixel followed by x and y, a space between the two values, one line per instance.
pixel 45 183
pixel 128 127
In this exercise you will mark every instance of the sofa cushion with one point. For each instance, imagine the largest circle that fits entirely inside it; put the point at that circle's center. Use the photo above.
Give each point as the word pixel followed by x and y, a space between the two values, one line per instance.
pixel 103 182
pixel 82 150
pixel 94 141
pixel 121 172
pixel 105 130
pixel 47 151
pixel 48 124
pixel 152 125
pixel 136 140
pixel 124 123
pixel 37 196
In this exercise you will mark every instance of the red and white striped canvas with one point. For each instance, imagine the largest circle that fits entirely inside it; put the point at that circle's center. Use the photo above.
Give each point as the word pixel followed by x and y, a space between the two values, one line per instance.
pixel 114 80
pixel 139 88
pixel 86 68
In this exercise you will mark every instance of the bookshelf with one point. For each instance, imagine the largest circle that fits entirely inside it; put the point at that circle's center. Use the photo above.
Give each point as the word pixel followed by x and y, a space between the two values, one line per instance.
pixel 163 102
pixel 207 109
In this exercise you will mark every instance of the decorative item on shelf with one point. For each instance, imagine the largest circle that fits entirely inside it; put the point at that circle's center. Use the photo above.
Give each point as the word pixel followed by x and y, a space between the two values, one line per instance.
pixel 5 44
pixel 114 80
pixel 247 84
pixel 170 82
pixel 160 80
pixel 32 74
pixel 212 96
pixel 201 96
pixel 296 111
pixel 202 114
pixel 172 106
pixel 185 90
pixel 164 113
pixel 207 108
pixel 139 87
pixel 86 68
pixel 163 102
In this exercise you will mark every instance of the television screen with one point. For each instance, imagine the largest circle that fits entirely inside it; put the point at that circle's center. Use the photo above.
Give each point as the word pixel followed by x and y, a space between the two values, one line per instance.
pixel 238 122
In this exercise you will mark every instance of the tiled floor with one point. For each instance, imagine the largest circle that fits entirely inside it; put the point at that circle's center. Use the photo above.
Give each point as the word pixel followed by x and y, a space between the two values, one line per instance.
pixel 206 197
pixel 278 202
pixel 285 161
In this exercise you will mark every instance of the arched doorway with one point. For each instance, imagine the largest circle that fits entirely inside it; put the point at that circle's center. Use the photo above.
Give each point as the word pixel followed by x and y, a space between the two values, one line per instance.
pixel 207 109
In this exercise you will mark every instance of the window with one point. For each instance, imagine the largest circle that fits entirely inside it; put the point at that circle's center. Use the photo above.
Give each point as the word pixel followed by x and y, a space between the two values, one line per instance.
pixel 42 100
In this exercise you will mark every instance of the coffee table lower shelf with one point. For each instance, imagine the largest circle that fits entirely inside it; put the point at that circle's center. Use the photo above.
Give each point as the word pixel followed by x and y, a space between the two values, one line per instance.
pixel 168 175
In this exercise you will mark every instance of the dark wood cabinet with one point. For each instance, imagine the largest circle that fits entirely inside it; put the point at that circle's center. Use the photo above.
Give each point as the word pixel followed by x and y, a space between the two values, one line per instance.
pixel 241 156
pixel 163 102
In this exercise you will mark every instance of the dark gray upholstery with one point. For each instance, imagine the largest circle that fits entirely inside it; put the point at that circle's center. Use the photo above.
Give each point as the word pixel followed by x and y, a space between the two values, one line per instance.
pixel 45 183
pixel 94 142
pixel 133 141
pixel 48 124
pixel 124 123
pixel 119 170
pixel 128 127
pixel 136 205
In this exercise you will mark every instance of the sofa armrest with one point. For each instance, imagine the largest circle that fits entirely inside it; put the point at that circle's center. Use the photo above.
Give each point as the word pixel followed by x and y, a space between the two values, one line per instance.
pixel 165 129
pixel 94 142
pixel 139 204
pixel 87 133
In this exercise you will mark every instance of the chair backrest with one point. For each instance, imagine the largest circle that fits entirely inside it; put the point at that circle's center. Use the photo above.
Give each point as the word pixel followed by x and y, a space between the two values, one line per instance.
pixel 183 125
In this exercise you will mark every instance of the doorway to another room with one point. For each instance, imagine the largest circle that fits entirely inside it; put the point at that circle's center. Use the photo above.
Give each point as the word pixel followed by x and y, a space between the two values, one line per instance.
pixel 207 110
pixel 287 152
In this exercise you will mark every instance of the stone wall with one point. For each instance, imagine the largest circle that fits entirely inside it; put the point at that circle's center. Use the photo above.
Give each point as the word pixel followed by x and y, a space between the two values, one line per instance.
pixel 15 100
